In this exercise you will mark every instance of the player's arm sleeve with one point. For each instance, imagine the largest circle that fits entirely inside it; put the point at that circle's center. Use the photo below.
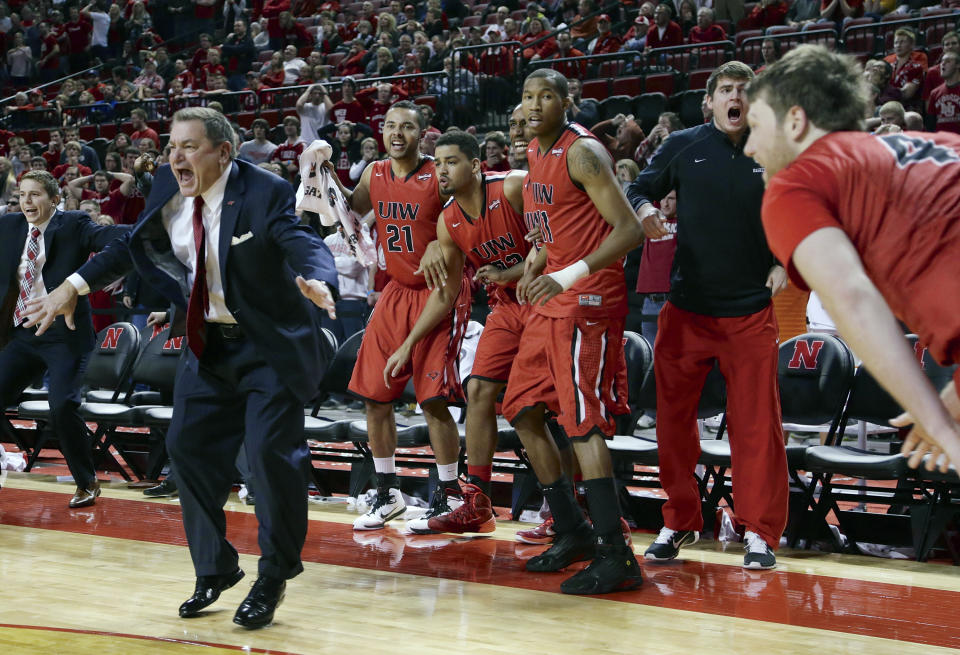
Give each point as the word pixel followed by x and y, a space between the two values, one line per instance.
pixel 792 210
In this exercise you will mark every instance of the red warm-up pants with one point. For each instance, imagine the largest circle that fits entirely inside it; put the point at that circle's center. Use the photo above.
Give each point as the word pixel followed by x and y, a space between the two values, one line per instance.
pixel 745 348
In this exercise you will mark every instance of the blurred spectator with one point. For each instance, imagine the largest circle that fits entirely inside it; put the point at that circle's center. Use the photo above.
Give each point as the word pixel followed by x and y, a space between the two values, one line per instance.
pixel 78 30
pixel 627 171
pixel 71 152
pixel 731 10
pixel 667 122
pixel 606 42
pixel 585 113
pixel 139 21
pixel 314 107
pixel 621 135
pixel 665 32
pixel 770 52
pixel 346 151
pixel 934 76
pixel 8 180
pixel 292 32
pixel 112 199
pixel 348 108
pixel 706 29
pixel 376 101
pixel 495 153
pixel 273 74
pixel 119 143
pixel 386 33
pixel 943 107
pixel 210 69
pixel 258 149
pixel 116 31
pixel 352 63
pixel 656 262
pixel 149 79
pixel 48 64
pixel 204 12
pixel 892 113
pixel 381 64
pixel 200 54
pixel 585 31
pixel 240 52
pixel 19 61
pixel 636 36
pixel 803 12
pixel 534 12
pixel 54 151
pixel 261 39
pixel 535 46
pixel 413 86
pixel 908 68
pixel 837 10
pixel 768 13
pixel 291 65
pixel 879 76
pixel 687 16
pixel 352 306
pixel 457 90
pixel 138 119
pixel 369 151
pixel 330 39
pixel 288 153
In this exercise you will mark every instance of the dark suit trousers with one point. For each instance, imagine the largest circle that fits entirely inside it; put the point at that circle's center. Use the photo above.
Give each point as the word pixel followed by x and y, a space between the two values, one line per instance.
pixel 235 399
pixel 24 360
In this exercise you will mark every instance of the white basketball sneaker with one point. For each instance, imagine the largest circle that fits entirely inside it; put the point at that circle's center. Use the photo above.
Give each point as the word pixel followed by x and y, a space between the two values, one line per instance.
pixel 388 506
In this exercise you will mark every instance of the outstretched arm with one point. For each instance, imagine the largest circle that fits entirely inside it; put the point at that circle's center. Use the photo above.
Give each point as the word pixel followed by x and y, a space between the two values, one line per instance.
pixel 831 266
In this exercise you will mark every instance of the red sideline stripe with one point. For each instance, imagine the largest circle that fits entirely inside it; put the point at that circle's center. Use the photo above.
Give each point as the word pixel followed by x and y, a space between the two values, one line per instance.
pixel 889 611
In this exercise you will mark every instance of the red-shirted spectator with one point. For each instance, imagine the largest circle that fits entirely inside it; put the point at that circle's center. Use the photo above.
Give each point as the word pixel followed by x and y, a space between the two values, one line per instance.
pixel 288 153
pixel 908 68
pixel 544 48
pixel 78 30
pixel 352 64
pixel 606 42
pixel 200 54
pixel 495 153
pixel 72 151
pixel 271 11
pixel 348 108
pixel 934 77
pixel 49 62
pixel 292 32
pixel 636 36
pixel 584 32
pixel 943 107
pixel 566 50
pixel 497 60
pixel 274 75
pixel 837 10
pixel 767 14
pixel 211 69
pixel 665 33
pixel 113 202
pixel 376 106
pixel 412 86
pixel 706 30
pixel 138 119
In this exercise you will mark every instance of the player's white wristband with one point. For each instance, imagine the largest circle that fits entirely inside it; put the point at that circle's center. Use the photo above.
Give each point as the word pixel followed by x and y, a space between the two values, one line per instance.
pixel 567 277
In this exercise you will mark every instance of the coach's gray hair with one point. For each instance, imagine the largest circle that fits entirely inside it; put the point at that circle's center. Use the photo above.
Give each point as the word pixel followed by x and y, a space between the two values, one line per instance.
pixel 216 126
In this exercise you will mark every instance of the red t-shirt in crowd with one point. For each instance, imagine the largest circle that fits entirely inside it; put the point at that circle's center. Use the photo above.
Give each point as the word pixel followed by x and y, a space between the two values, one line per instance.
pixel 944 103
pixel 286 153
pixel 897 198
pixel 145 133
pixel 653 274
pixel 113 203
pixel 349 111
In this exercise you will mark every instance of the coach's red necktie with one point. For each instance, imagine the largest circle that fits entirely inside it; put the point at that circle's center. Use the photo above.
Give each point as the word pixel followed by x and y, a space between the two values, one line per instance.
pixel 26 282
pixel 199 297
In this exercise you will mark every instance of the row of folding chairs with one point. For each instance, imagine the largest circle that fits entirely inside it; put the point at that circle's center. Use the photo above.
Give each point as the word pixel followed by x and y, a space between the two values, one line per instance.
pixel 821 390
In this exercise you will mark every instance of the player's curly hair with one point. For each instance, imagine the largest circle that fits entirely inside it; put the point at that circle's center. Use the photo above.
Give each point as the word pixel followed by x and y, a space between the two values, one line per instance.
pixel 829 87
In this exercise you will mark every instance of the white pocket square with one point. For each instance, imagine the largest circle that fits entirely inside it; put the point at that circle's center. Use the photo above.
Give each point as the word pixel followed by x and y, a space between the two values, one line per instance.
pixel 240 239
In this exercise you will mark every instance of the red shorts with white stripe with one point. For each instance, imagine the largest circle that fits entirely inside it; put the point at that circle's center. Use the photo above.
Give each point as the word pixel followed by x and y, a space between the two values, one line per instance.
pixel 433 363
pixel 582 361
pixel 500 341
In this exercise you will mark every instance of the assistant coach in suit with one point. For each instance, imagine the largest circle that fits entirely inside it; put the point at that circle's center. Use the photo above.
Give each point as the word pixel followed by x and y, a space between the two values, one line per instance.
pixel 255 349
pixel 39 248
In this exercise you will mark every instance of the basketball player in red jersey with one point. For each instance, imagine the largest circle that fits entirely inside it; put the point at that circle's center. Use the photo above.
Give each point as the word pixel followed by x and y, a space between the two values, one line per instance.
pixel 402 192
pixel 587 227
pixel 482 223
pixel 872 224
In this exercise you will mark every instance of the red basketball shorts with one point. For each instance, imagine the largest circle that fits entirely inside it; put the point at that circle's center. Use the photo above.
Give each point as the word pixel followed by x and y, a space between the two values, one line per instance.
pixel 500 341
pixel 581 361
pixel 433 361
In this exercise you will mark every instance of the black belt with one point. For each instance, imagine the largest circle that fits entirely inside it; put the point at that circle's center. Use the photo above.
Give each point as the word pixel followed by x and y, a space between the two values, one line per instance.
pixel 226 330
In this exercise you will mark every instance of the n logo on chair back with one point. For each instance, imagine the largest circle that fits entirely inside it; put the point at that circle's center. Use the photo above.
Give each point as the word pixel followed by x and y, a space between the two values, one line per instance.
pixel 815 374
pixel 110 362
pixel 340 369
pixel 157 366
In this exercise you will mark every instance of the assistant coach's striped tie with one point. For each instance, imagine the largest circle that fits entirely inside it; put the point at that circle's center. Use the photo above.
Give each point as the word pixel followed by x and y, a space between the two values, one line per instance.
pixel 26 283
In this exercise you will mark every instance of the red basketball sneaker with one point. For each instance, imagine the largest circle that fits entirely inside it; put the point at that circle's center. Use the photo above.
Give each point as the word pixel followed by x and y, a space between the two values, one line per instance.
pixel 542 534
pixel 474 516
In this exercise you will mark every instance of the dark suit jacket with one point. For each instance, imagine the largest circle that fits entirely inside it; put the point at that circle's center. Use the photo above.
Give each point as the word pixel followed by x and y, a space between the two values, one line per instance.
pixel 257 273
pixel 68 241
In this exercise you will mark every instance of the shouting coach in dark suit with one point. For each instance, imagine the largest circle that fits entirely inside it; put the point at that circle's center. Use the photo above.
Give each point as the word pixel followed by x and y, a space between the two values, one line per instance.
pixel 255 350
pixel 39 248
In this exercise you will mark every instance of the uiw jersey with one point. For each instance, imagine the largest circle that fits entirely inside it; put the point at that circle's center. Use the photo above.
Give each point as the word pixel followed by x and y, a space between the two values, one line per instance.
pixel 407 210
pixel 572 228
pixel 495 237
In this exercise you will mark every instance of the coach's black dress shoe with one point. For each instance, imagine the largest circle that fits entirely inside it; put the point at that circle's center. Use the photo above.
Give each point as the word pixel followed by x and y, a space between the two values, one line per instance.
pixel 207 591
pixel 258 607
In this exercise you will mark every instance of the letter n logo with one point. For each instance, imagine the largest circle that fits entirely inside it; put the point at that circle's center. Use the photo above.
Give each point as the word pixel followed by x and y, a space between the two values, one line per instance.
pixel 805 355
pixel 112 339
pixel 919 351
pixel 174 344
